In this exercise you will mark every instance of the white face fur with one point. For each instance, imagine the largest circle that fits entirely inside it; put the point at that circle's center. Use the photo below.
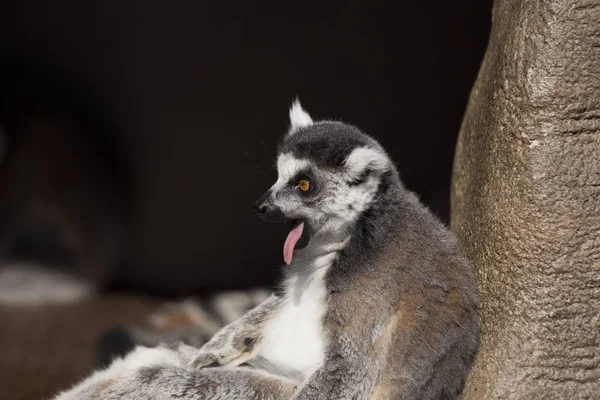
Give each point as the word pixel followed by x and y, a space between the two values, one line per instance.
pixel 336 200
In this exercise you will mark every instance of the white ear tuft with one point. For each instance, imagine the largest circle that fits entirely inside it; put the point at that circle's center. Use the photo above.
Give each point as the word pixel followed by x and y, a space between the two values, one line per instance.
pixel 366 159
pixel 298 117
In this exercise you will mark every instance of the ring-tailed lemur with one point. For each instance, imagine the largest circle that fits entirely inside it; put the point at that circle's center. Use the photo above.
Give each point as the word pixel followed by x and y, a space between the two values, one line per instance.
pixel 377 303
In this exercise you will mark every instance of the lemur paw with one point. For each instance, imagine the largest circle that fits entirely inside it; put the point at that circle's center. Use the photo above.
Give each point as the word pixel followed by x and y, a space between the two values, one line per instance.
pixel 230 352
pixel 206 360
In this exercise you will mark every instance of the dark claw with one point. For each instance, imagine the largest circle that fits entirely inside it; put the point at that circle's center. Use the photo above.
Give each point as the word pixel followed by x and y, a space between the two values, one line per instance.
pixel 213 364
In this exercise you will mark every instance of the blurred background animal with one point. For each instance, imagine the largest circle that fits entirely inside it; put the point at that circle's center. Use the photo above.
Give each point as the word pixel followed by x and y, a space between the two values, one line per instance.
pixel 63 207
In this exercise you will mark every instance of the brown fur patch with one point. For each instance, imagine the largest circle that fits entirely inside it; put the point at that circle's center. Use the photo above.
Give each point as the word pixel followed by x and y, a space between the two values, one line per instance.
pixel 403 320
pixel 382 392
pixel 174 321
pixel 102 387
pixel 407 314
pixel 383 340
pixel 399 330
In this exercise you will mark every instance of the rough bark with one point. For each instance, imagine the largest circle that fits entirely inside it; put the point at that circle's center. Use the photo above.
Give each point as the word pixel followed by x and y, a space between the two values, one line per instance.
pixel 526 201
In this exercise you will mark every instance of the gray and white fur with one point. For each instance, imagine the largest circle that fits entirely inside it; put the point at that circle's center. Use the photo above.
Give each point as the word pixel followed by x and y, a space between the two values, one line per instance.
pixel 379 304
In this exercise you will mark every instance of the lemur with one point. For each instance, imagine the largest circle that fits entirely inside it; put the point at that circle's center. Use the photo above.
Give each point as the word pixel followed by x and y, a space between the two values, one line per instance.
pixel 377 301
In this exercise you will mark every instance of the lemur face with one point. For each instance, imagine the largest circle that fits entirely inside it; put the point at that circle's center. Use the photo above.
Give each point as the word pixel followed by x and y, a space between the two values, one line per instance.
pixel 328 173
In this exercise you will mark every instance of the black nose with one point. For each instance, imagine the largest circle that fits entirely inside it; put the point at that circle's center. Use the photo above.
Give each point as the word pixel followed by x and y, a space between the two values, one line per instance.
pixel 267 211
pixel 261 209
pixel 261 206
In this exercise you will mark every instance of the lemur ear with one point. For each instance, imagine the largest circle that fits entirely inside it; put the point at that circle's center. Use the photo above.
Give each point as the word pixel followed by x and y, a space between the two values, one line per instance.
pixel 298 117
pixel 364 161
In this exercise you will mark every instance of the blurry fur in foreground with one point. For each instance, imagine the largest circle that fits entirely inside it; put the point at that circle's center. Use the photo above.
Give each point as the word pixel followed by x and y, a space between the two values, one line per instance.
pixel 192 321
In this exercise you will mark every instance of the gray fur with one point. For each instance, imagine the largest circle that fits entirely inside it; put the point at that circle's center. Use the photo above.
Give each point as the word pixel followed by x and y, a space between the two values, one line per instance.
pixel 400 309
pixel 165 373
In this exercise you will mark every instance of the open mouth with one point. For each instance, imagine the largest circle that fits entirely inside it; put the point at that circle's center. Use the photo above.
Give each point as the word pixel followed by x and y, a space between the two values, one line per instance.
pixel 297 239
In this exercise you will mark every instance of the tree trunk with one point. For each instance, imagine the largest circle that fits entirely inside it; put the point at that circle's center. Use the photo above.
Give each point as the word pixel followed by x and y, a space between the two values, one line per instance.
pixel 526 202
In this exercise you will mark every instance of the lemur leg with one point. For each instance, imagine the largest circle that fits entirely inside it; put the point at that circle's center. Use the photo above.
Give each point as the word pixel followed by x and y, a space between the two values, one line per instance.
pixel 239 341
pixel 165 373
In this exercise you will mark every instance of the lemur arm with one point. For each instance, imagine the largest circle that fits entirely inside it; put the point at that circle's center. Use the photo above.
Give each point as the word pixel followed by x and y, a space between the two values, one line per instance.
pixel 237 342
pixel 347 373
pixel 401 336
pixel 360 341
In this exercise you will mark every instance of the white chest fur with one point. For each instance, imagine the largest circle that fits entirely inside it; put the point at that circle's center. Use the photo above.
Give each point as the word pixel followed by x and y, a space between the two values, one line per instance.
pixel 294 340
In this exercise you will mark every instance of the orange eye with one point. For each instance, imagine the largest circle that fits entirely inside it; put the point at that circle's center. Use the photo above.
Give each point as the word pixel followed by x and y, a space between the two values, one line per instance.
pixel 304 185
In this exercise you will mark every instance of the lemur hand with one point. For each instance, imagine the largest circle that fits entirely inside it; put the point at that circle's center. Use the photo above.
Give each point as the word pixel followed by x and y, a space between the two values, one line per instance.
pixel 233 345
pixel 237 342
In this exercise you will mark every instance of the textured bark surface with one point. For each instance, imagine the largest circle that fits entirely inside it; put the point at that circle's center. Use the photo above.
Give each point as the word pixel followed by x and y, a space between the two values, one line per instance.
pixel 526 201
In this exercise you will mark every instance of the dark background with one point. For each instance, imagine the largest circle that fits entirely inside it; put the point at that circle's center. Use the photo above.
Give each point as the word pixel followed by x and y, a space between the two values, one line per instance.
pixel 192 97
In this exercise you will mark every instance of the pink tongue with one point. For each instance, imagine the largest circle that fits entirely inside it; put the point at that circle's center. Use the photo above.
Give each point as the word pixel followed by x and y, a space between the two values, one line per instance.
pixel 292 238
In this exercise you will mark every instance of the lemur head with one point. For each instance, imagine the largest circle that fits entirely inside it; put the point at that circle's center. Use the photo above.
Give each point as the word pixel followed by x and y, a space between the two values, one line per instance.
pixel 328 174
